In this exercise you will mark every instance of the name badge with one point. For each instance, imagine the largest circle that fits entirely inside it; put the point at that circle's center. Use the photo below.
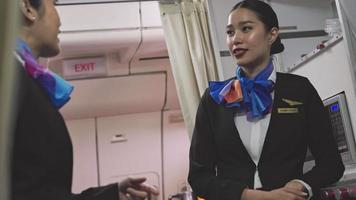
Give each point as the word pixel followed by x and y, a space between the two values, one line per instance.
pixel 288 110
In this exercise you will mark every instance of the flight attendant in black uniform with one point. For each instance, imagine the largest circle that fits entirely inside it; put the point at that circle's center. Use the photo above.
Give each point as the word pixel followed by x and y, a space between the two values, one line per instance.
pixel 252 131
pixel 42 151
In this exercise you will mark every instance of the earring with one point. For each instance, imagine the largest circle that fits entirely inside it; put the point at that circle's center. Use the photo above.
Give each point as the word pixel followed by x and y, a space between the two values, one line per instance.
pixel 33 18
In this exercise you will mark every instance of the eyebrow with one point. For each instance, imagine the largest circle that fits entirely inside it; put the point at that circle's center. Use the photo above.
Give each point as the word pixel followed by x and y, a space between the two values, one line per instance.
pixel 240 24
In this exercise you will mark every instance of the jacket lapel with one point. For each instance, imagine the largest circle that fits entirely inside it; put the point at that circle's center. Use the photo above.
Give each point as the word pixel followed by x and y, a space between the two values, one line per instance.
pixel 272 122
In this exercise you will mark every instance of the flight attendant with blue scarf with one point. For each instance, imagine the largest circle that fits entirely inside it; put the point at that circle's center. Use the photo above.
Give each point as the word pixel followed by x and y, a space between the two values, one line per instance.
pixel 252 131
pixel 42 154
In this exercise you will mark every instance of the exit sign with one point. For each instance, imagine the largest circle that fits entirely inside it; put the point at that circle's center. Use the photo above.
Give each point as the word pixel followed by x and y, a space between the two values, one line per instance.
pixel 85 67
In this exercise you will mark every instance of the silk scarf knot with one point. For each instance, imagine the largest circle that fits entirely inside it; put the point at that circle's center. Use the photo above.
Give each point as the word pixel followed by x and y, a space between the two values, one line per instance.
pixel 252 96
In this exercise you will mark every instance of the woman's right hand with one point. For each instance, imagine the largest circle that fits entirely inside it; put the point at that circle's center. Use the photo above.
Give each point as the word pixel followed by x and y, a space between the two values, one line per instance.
pixel 287 193
pixel 283 193
pixel 135 188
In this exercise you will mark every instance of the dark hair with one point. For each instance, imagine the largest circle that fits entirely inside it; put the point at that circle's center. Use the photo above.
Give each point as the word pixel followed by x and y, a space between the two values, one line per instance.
pixel 268 17
pixel 35 3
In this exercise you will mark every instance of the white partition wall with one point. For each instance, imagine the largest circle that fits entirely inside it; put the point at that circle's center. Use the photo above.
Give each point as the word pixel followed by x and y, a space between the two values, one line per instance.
pixel 108 149
pixel 130 145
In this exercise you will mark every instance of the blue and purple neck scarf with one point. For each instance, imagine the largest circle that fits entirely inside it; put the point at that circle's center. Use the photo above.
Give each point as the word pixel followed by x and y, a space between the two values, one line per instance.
pixel 252 96
pixel 57 89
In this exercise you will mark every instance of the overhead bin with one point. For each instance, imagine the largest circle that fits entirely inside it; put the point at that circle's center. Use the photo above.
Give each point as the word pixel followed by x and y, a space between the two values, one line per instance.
pixel 92 29
pixel 100 42
pixel 115 30
pixel 89 17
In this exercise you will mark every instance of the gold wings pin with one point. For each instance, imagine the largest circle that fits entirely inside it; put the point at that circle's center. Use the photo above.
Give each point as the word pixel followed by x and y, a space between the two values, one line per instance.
pixel 292 103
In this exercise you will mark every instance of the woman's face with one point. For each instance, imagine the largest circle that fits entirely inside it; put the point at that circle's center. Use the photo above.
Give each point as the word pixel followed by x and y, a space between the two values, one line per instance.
pixel 248 41
pixel 46 29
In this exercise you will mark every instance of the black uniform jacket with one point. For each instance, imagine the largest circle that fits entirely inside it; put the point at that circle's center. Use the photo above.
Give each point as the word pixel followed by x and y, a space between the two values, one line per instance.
pixel 42 150
pixel 220 166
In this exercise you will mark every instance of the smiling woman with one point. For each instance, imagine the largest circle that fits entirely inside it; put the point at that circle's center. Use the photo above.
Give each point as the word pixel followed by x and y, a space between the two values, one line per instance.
pixel 252 131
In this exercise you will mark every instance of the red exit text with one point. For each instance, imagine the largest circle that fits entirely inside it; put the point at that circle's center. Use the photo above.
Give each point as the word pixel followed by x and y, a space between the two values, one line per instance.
pixel 84 67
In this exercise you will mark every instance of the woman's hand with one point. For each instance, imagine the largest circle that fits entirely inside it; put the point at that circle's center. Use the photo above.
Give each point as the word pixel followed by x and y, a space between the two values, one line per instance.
pixel 135 188
pixel 284 193
pixel 296 185
pixel 287 193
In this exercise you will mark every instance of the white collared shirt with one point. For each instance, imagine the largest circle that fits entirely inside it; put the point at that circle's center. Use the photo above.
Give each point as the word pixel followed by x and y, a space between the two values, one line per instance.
pixel 253 133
